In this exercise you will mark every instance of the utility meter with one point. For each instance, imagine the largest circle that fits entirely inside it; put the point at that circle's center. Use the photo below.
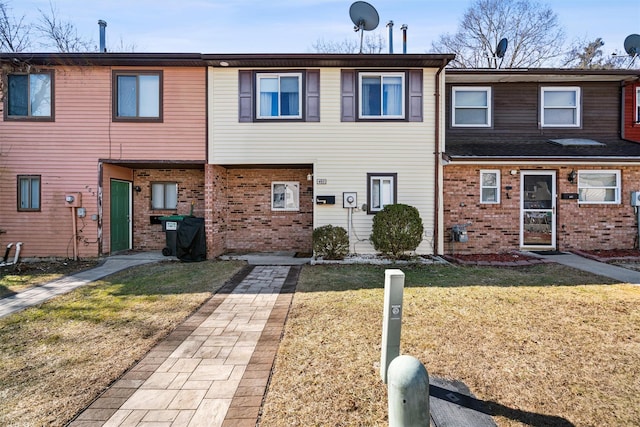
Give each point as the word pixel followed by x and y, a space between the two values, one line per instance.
pixel 635 198
pixel 349 200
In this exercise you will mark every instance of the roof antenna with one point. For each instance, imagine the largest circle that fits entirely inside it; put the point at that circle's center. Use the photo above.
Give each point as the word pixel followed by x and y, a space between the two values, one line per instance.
pixel 365 17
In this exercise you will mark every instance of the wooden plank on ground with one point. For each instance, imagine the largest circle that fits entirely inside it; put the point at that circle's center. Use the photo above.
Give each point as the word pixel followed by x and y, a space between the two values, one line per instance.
pixel 452 405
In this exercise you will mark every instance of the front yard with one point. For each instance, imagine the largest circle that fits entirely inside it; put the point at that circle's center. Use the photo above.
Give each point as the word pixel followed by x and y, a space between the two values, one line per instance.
pixel 543 345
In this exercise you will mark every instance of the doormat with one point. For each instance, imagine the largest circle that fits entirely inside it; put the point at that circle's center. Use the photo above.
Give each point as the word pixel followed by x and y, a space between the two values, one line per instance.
pixel 548 252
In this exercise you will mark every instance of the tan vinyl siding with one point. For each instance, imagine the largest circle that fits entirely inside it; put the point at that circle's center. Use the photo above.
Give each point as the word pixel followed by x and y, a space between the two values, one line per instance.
pixel 65 153
pixel 342 153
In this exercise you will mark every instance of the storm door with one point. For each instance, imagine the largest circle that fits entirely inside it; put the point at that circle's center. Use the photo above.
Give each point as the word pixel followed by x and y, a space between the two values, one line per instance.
pixel 120 218
pixel 538 209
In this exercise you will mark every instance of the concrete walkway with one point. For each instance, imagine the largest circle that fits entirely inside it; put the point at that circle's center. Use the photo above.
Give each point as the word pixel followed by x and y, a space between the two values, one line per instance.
pixel 621 274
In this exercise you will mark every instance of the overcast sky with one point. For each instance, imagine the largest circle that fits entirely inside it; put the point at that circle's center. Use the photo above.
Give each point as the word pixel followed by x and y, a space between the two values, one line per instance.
pixel 292 26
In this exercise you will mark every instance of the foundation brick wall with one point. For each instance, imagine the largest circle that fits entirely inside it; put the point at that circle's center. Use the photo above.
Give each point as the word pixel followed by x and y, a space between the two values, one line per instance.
pixel 496 228
pixel 150 237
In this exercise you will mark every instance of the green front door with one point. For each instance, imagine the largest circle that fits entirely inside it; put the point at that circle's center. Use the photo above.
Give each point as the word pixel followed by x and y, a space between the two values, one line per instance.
pixel 120 215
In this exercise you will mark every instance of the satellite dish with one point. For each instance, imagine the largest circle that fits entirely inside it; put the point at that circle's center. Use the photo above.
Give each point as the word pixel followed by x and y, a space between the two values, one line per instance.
pixel 632 44
pixel 502 48
pixel 365 18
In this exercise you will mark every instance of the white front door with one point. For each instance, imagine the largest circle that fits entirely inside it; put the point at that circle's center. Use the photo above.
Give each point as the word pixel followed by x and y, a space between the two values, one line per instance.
pixel 538 210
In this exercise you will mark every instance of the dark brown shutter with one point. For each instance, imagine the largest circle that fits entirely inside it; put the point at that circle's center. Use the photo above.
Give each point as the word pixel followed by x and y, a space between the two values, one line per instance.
pixel 245 91
pixel 348 95
pixel 415 96
pixel 313 96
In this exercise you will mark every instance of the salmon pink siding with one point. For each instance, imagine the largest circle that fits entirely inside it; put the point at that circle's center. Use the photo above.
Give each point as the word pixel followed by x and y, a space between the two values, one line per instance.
pixel 631 122
pixel 66 153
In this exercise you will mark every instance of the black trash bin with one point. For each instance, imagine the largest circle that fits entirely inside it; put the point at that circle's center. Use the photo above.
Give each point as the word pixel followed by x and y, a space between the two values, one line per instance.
pixel 170 225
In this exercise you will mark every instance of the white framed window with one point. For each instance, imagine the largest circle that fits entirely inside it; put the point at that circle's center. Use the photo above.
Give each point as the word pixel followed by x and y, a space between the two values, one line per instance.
pixel 599 186
pixel 279 95
pixel 164 195
pixel 638 104
pixel 560 106
pixel 381 95
pixel 490 186
pixel 381 190
pixel 285 196
pixel 471 106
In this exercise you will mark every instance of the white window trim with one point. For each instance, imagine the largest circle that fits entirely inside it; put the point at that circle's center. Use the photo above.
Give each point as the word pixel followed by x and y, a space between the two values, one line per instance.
pixel 578 106
pixel 381 75
pixel 260 76
pixel 637 120
pixel 497 186
pixel 296 195
pixel 617 188
pixel 455 89
pixel 372 178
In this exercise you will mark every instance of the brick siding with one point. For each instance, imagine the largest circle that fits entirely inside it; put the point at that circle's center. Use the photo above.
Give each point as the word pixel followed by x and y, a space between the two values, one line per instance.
pixel 241 219
pixel 496 227
pixel 150 237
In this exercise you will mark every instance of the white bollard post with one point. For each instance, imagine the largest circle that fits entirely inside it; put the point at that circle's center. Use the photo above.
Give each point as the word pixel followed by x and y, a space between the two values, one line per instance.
pixel 391 319
pixel 408 388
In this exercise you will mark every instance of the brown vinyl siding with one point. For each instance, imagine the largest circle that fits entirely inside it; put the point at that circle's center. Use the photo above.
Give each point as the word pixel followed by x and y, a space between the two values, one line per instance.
pixel 516 110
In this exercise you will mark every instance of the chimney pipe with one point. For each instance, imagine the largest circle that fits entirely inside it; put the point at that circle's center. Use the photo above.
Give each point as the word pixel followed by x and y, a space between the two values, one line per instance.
pixel 404 29
pixel 390 26
pixel 103 26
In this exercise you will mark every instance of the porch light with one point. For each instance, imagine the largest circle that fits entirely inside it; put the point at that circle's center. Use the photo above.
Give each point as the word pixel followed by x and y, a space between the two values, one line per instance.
pixel 572 176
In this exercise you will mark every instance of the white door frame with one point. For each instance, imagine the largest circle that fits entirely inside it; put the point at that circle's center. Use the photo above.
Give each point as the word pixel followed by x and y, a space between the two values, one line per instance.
pixel 537 213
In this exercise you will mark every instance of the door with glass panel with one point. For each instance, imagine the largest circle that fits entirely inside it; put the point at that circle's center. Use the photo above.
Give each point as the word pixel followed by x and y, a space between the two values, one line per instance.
pixel 538 209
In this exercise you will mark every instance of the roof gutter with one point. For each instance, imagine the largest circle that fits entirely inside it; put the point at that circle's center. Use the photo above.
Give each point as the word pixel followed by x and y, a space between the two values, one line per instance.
pixel 438 156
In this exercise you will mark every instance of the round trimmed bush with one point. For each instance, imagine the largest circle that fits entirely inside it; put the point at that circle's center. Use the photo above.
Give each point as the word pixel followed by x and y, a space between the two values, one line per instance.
pixel 330 242
pixel 397 229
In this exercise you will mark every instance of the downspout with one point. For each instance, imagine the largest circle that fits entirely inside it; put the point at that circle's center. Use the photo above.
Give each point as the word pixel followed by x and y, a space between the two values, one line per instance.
pixel 438 154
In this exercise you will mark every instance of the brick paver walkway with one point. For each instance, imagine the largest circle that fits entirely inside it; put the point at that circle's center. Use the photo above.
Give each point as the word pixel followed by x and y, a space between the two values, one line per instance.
pixel 213 370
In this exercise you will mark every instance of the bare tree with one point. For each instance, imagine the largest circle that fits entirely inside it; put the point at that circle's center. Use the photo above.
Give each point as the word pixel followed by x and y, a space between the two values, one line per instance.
pixel 59 34
pixel 532 30
pixel 372 43
pixel 14 33
pixel 589 55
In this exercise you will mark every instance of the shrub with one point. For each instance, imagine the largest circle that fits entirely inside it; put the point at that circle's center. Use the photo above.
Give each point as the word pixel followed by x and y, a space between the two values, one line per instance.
pixel 396 229
pixel 330 242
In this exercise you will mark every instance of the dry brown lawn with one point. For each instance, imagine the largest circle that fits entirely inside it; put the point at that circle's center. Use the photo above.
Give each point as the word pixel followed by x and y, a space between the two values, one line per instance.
pixel 542 346
pixel 56 358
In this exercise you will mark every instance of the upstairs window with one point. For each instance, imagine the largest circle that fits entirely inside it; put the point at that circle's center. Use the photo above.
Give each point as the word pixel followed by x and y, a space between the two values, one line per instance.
pixel 279 96
pixel 285 196
pixel 138 96
pixel 471 106
pixel 382 95
pixel 560 107
pixel 381 189
pixel 28 193
pixel 30 96
pixel 164 195
pixel 599 187
pixel 638 105
pixel 490 186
